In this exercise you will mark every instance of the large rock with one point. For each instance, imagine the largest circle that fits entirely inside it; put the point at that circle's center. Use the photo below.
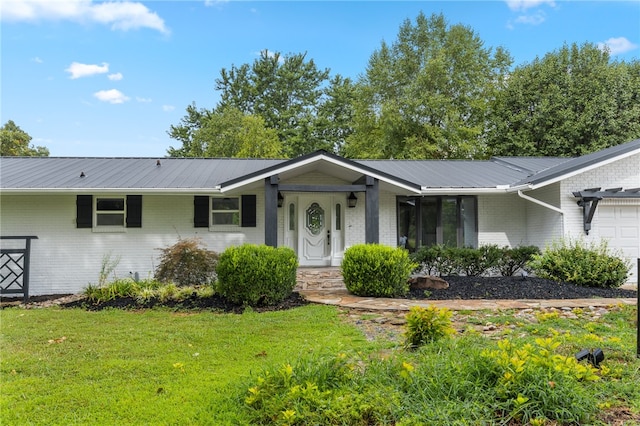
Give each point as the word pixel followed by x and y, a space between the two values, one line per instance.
pixel 421 282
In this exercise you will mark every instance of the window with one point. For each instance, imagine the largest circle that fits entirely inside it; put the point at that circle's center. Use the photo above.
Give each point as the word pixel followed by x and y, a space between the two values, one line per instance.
pixel 426 221
pixel 225 211
pixel 110 212
pixel 292 217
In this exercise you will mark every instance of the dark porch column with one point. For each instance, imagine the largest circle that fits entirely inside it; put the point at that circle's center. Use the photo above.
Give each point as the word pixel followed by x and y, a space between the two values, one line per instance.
pixel 271 211
pixel 372 211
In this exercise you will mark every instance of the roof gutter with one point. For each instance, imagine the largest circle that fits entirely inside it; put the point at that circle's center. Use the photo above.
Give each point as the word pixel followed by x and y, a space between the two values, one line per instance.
pixel 541 203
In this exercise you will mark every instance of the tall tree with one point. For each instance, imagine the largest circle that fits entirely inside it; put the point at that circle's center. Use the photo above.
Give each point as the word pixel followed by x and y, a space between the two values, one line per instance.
pixel 427 95
pixel 284 90
pixel 225 133
pixel 14 142
pixel 571 102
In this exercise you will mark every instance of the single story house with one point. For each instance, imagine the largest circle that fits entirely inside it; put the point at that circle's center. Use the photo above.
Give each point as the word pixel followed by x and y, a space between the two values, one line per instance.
pixel 76 214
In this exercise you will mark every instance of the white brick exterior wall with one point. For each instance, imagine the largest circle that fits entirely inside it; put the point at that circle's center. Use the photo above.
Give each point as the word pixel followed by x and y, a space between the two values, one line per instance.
pixel 501 220
pixel 64 259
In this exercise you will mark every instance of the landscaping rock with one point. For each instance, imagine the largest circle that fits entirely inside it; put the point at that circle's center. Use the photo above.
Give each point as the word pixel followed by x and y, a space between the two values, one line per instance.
pixel 423 282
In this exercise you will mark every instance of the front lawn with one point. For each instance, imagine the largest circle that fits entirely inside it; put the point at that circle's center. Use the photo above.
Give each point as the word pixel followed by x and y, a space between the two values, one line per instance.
pixel 308 365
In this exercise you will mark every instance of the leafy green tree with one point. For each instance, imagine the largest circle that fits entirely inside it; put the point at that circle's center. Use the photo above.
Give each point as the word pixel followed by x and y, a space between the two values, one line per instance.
pixel 284 90
pixel 225 133
pixel 427 95
pixel 571 102
pixel 15 142
pixel 334 119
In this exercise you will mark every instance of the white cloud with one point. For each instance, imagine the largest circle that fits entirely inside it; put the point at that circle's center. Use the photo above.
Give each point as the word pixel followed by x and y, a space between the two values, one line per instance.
pixel 121 15
pixel 617 45
pixel 37 60
pixel 522 5
pixel 112 96
pixel 115 77
pixel 168 108
pixel 143 100
pixel 534 19
pixel 78 70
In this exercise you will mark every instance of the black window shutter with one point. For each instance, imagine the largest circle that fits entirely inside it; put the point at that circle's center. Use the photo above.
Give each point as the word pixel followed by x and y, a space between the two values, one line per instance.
pixel 249 211
pixel 134 211
pixel 84 211
pixel 201 211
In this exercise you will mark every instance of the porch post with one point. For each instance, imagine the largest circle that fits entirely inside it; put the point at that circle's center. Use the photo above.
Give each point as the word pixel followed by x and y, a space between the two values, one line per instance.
pixel 271 211
pixel 372 211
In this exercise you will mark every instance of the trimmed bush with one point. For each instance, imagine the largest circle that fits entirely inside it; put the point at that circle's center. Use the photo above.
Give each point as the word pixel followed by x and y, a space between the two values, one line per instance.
pixel 443 261
pixel 187 263
pixel 515 259
pixel 589 265
pixel 376 270
pixel 257 275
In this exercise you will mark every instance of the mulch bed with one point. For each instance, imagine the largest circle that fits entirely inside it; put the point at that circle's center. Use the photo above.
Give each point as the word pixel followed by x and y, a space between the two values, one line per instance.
pixel 516 288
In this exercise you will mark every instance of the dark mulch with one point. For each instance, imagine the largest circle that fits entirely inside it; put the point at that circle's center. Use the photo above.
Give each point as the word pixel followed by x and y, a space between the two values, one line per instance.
pixel 516 288
pixel 214 303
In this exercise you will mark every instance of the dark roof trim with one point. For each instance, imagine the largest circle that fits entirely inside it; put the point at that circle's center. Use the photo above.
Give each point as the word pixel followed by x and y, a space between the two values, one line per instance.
pixel 578 164
pixel 307 158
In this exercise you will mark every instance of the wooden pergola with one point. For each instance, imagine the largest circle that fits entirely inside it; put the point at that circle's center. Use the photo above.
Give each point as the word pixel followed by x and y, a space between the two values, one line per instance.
pixel 589 199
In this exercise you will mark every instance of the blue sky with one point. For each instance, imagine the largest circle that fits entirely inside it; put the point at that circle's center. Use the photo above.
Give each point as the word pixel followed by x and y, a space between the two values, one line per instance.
pixel 88 78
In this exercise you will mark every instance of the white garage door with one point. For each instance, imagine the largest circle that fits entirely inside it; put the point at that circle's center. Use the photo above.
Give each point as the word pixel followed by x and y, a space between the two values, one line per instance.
pixel 620 224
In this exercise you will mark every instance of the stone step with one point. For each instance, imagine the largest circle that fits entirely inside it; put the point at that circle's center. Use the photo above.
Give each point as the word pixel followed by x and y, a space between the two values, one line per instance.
pixel 319 279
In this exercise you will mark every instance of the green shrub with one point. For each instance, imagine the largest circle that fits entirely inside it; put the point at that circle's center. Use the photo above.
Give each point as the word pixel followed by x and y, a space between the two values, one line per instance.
pixel 376 270
pixel 443 261
pixel 119 288
pixel 425 325
pixel 186 263
pixel 515 259
pixel 434 260
pixel 589 265
pixel 257 274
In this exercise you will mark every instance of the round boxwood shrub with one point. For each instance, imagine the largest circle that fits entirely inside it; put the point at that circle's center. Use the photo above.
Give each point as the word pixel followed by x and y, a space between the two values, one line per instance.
pixel 376 270
pixel 577 262
pixel 257 275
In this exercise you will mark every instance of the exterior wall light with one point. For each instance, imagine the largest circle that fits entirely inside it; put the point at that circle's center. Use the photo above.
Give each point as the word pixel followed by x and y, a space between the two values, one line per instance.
pixel 280 199
pixel 352 200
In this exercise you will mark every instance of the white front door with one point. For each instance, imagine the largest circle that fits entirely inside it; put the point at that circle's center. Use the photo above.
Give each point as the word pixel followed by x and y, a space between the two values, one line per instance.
pixel 314 235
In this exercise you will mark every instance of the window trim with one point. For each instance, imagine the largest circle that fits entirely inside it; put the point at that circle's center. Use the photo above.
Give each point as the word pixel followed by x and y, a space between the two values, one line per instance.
pixel 212 212
pixel 96 213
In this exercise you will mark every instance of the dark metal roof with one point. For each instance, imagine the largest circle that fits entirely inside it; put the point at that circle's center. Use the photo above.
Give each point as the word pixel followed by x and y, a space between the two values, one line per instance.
pixel 181 174
pixel 453 173
pixel 123 173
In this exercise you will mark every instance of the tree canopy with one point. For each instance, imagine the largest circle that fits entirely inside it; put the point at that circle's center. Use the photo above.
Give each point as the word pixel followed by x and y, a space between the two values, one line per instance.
pixel 14 142
pixel 428 94
pixel 436 92
pixel 571 102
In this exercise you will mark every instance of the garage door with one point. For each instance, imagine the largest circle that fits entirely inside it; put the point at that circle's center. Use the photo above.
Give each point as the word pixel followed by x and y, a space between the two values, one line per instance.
pixel 620 224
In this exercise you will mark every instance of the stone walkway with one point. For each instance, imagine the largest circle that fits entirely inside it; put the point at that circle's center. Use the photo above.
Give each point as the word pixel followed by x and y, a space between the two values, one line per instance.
pixel 341 297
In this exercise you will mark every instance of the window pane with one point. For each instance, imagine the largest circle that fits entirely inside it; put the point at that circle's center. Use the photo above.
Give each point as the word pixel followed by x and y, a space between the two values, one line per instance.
pixel 429 221
pixel 407 223
pixel 110 219
pixel 315 219
pixel 338 217
pixel 468 214
pixel 292 217
pixel 231 218
pixel 110 204
pixel 226 203
pixel 449 222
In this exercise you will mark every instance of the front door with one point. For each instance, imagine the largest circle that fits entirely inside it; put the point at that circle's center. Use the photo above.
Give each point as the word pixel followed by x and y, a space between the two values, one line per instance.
pixel 314 225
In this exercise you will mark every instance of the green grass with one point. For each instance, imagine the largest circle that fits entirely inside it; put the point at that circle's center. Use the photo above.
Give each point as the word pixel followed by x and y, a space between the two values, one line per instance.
pixel 62 367
pixel 307 366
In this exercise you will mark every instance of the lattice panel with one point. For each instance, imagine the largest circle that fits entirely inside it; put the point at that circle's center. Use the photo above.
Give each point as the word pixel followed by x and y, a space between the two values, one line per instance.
pixel 12 271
